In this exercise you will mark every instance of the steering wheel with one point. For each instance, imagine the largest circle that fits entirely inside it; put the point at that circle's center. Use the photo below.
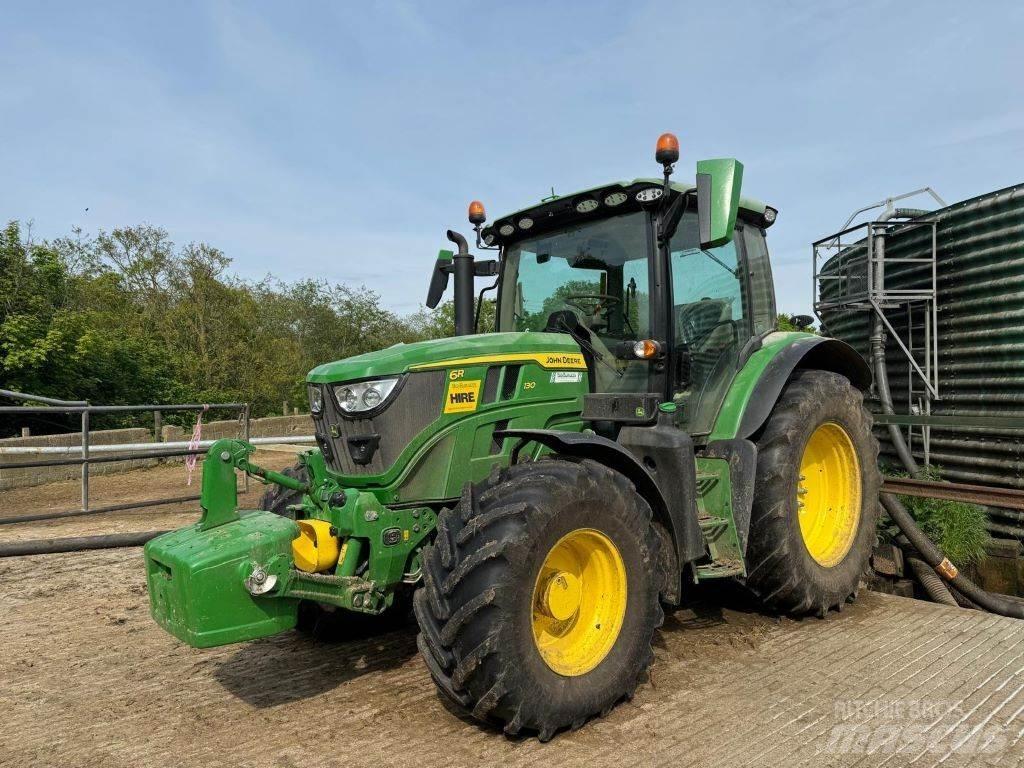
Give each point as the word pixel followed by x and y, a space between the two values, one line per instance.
pixel 596 301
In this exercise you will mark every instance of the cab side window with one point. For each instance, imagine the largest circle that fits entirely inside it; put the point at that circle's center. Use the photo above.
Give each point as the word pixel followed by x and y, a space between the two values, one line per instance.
pixel 711 324
pixel 762 291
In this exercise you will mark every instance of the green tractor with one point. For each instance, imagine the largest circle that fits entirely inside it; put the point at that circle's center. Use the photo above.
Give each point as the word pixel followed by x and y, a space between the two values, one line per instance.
pixel 636 426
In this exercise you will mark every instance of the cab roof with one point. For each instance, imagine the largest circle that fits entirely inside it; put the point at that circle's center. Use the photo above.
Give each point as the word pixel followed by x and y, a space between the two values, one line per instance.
pixel 559 210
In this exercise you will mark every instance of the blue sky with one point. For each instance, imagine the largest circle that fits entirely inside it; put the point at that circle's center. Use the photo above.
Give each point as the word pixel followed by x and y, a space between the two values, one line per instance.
pixel 340 140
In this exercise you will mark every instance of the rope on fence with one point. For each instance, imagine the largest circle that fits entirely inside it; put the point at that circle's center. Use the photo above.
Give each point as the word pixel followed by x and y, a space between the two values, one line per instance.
pixel 193 444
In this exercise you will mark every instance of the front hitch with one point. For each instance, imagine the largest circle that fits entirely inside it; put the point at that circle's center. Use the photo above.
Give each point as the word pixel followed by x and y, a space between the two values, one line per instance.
pixel 219 494
pixel 239 575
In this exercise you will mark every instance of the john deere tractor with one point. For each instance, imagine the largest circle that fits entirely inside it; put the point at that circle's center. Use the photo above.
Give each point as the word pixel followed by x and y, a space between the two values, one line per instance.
pixel 635 426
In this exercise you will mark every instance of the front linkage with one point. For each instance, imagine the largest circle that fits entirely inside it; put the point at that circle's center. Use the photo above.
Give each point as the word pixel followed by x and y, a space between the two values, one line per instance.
pixel 236 575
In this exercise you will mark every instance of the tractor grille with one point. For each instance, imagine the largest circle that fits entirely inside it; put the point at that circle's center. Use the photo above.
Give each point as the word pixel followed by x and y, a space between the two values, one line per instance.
pixel 409 411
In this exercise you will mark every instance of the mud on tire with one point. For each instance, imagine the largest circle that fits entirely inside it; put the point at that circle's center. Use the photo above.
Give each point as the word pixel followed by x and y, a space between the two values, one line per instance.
pixel 781 571
pixel 475 607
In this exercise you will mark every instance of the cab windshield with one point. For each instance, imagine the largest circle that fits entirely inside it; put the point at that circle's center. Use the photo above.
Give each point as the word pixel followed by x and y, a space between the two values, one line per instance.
pixel 592 279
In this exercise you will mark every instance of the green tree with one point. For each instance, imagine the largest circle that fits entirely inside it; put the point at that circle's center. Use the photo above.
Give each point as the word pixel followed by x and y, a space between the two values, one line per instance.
pixel 129 317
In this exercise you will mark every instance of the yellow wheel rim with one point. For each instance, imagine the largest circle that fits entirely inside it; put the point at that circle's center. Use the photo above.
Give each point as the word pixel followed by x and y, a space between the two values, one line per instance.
pixel 828 494
pixel 579 602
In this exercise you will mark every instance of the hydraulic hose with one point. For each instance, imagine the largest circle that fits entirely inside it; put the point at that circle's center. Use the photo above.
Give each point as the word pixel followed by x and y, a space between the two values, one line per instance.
pixel 963 601
pixel 933 585
pixel 75 543
pixel 931 554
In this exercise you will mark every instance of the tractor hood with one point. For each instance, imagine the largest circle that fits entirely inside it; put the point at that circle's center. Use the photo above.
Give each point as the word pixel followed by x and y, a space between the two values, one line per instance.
pixel 551 350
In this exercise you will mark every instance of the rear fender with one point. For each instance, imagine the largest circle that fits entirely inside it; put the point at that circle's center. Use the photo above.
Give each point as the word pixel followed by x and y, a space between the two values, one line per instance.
pixel 756 388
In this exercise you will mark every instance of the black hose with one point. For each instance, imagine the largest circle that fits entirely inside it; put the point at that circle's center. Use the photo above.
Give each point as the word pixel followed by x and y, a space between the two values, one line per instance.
pixel 933 585
pixel 931 554
pixel 963 601
pixel 75 543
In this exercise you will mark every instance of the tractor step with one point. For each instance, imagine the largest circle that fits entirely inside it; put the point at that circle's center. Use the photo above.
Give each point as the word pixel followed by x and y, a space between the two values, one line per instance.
pixel 710 523
pixel 720 570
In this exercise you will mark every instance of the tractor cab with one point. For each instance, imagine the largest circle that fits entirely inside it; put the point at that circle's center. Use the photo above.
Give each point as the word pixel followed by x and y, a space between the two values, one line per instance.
pixel 623 270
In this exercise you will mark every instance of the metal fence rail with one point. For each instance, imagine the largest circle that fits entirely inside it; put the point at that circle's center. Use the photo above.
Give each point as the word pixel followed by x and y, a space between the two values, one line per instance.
pixel 84 452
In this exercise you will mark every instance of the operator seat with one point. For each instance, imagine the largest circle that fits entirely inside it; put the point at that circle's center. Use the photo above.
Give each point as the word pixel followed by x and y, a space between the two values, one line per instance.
pixel 707 328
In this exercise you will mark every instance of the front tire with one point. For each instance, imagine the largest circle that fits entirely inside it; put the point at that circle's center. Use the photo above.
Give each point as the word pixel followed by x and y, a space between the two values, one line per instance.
pixel 540 596
pixel 277 498
pixel 815 505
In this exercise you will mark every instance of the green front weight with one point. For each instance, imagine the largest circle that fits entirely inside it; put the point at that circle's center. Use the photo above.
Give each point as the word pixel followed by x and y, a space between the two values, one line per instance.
pixel 198 579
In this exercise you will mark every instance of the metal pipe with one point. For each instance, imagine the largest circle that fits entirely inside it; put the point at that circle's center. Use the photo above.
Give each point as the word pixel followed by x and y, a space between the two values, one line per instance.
pixel 75 544
pixel 464 273
pixel 39 398
pixel 75 407
pixel 1010 498
pixel 15 450
pixel 247 436
pixel 85 461
pixel 878 346
pixel 96 510
pixel 98 459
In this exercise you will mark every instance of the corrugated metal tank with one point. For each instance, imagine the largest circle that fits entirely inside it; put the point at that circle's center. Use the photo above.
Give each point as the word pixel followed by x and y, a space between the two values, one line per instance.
pixel 980 322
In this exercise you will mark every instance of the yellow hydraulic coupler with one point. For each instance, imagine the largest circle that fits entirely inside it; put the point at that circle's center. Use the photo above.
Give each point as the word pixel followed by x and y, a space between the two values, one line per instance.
pixel 315 549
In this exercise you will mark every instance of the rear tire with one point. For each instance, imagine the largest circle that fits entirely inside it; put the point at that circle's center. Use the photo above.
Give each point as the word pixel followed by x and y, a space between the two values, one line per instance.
pixel 815 505
pixel 495 623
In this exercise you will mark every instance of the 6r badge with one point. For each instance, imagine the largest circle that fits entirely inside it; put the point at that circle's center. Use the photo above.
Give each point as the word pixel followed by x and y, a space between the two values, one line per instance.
pixel 462 396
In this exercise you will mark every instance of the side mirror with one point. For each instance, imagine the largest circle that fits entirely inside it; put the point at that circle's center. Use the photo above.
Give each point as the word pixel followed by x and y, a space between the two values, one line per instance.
pixel 439 280
pixel 718 200
pixel 802 321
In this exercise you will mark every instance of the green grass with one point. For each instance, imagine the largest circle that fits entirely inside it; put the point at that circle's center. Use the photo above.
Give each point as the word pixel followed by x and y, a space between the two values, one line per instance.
pixel 957 528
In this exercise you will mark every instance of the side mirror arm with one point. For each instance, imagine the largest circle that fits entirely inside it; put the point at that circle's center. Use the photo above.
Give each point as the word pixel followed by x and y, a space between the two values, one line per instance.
pixel 704 210
pixel 669 220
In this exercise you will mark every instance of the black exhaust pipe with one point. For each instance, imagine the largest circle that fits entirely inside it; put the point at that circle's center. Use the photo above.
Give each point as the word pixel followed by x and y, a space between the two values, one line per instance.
pixel 462 265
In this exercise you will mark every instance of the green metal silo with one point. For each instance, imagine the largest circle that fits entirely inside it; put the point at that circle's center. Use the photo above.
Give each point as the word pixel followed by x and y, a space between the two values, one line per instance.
pixel 943 291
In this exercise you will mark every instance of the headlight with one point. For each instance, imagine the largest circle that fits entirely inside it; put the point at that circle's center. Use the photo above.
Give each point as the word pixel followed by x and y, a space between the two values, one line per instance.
pixel 316 400
pixel 364 395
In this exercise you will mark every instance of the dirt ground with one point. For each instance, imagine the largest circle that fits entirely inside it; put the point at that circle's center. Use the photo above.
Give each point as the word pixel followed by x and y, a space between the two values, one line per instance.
pixel 88 679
